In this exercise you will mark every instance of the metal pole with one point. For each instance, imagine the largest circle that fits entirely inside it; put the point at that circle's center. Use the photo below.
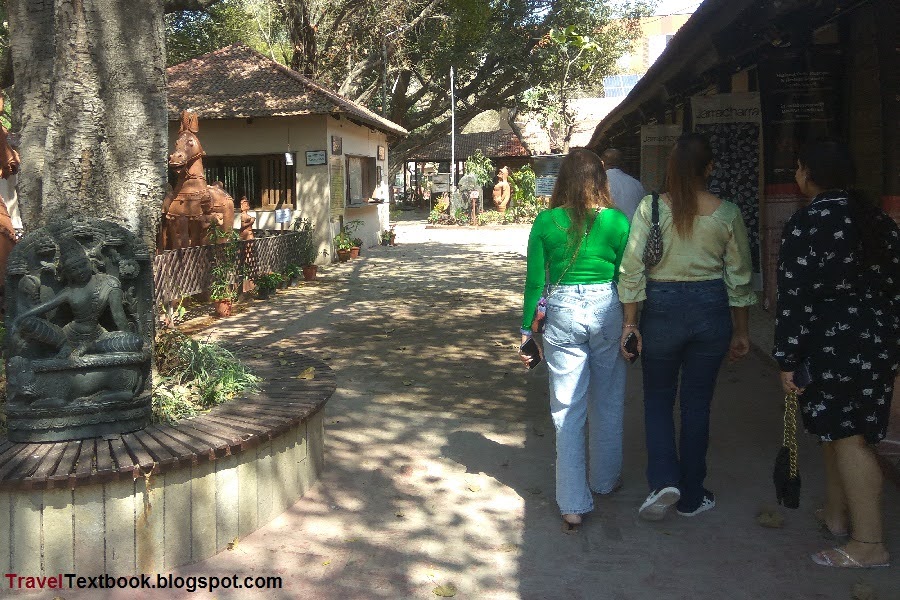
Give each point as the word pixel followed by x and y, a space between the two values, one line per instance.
pixel 452 134
pixel 384 79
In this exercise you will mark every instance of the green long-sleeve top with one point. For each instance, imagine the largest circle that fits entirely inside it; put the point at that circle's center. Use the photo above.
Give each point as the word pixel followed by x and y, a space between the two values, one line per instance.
pixel 550 252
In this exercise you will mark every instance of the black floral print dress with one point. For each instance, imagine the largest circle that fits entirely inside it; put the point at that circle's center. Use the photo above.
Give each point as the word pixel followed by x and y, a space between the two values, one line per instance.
pixel 843 320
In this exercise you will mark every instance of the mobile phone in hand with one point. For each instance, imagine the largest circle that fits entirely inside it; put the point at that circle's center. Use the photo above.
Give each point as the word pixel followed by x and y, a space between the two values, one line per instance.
pixel 631 346
pixel 530 348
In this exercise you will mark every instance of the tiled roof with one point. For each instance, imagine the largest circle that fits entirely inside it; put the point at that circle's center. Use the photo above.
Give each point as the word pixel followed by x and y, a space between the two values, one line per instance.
pixel 237 82
pixel 493 144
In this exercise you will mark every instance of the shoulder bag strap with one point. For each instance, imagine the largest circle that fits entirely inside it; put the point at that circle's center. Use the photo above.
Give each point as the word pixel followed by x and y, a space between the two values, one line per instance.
pixel 654 217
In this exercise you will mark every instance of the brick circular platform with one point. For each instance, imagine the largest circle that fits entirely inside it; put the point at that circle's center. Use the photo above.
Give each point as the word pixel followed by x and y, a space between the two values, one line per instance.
pixel 167 495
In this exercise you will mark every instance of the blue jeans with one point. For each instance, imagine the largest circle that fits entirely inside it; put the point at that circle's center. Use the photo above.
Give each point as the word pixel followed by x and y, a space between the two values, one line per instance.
pixel 587 386
pixel 686 328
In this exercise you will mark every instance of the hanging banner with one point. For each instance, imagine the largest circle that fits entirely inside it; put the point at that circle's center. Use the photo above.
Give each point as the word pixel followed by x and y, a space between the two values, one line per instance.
pixel 800 91
pixel 656 143
pixel 337 186
pixel 732 122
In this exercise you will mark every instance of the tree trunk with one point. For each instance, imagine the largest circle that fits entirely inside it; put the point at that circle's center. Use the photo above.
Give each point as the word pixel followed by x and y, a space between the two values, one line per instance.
pixel 90 103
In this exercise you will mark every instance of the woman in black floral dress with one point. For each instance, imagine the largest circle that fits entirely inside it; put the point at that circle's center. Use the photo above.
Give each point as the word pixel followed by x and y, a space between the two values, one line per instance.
pixel 837 315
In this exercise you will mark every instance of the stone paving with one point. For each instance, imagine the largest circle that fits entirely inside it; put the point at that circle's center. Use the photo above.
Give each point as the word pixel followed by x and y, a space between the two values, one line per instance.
pixel 439 456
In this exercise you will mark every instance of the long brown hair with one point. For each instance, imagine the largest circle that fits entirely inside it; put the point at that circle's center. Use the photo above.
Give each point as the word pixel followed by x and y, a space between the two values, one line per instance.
pixel 685 171
pixel 580 185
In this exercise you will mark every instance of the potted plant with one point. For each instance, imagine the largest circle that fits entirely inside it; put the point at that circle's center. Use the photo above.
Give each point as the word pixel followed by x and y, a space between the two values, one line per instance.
pixel 291 274
pixel 386 236
pixel 342 244
pixel 223 288
pixel 355 248
pixel 267 283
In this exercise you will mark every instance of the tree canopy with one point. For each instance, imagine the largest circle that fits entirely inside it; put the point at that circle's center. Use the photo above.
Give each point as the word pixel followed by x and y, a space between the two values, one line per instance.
pixel 505 53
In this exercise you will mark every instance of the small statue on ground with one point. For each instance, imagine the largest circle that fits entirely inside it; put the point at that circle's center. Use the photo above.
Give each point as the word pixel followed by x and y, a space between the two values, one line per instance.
pixel 502 190
pixel 80 323
pixel 192 205
pixel 247 220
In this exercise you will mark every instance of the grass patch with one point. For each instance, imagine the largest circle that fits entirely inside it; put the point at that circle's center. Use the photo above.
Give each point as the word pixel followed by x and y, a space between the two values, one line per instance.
pixel 194 376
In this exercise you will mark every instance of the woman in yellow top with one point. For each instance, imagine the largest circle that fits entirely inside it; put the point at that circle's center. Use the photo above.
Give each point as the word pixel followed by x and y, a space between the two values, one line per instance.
pixel 695 312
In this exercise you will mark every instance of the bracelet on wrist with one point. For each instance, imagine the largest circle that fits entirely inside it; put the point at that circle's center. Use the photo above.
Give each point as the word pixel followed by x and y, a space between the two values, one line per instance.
pixel 525 332
pixel 629 326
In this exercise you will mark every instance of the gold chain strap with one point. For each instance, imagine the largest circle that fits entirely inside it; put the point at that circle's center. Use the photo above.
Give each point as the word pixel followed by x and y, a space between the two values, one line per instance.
pixel 789 439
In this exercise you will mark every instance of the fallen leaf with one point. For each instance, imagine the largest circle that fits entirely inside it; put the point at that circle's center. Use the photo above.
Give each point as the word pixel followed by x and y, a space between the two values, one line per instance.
pixel 407 382
pixel 282 362
pixel 327 562
pixel 448 590
pixel 307 373
pixel 473 487
pixel 391 330
pixel 281 354
pixel 232 545
pixel 508 548
pixel 257 356
pixel 399 515
pixel 498 343
pixel 770 518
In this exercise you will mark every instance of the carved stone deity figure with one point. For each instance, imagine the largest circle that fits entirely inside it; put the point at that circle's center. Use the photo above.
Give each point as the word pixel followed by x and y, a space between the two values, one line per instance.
pixel 247 220
pixel 501 190
pixel 192 205
pixel 80 326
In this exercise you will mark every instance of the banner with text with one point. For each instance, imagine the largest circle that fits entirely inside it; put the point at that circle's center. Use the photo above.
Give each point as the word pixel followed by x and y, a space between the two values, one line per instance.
pixel 656 142
pixel 732 122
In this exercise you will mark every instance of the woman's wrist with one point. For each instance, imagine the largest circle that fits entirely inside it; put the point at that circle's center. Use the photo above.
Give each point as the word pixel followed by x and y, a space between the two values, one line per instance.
pixel 629 326
pixel 525 332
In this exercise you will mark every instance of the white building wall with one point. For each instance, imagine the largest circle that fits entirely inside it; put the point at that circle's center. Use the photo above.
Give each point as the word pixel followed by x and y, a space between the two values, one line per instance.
pixel 358 140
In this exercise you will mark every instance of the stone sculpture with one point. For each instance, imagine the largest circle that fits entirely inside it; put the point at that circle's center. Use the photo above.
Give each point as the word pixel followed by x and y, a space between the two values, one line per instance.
pixel 80 326
pixel 192 206
pixel 9 165
pixel 247 220
pixel 501 190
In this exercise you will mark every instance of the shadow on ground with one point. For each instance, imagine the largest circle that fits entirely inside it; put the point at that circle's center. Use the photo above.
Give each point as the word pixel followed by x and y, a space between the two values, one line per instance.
pixel 439 455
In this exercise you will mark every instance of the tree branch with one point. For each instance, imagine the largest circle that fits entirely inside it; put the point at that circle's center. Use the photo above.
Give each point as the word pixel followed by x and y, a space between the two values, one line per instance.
pixel 171 6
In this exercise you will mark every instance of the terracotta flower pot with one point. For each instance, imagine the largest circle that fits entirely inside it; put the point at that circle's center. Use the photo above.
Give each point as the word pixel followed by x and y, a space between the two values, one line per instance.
pixel 354 252
pixel 223 308
pixel 309 272
pixel 343 255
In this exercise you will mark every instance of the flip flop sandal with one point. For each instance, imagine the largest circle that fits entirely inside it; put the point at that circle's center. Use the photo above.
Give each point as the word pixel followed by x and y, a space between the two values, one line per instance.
pixel 819 515
pixel 838 558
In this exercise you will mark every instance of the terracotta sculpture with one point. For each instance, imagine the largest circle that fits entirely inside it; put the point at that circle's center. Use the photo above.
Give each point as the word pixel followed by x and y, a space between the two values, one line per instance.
pixel 501 190
pixel 9 165
pixel 247 220
pixel 79 335
pixel 192 206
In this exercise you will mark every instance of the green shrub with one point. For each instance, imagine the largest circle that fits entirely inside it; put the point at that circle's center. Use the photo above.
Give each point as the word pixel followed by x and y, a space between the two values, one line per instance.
pixel 193 376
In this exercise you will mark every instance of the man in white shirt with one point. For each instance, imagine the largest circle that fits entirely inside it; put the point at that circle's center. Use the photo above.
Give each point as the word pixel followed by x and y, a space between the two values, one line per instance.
pixel 626 191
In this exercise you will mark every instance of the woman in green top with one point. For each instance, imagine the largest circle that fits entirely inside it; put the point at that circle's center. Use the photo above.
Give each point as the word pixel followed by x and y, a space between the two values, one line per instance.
pixel 577 246
pixel 695 312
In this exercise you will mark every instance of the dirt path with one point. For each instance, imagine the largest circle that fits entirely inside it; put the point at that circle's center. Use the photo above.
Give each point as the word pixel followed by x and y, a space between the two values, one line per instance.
pixel 440 455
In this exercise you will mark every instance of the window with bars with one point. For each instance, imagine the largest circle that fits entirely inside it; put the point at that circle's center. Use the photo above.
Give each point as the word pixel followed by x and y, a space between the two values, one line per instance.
pixel 267 180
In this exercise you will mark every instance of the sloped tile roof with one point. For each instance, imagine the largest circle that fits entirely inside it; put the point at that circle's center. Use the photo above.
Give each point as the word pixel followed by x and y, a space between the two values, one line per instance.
pixel 493 144
pixel 237 82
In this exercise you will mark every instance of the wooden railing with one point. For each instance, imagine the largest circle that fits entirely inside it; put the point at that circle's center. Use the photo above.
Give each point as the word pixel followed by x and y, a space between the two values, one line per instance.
pixel 187 272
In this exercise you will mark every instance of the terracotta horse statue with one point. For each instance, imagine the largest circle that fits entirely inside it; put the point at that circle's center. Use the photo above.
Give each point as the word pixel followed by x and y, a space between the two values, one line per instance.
pixel 9 165
pixel 192 205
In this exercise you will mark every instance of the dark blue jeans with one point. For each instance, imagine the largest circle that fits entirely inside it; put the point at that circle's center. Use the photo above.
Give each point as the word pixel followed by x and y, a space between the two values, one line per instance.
pixel 686 329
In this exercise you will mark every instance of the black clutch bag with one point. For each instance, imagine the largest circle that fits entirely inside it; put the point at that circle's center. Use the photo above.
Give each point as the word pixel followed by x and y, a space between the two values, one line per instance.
pixel 786 474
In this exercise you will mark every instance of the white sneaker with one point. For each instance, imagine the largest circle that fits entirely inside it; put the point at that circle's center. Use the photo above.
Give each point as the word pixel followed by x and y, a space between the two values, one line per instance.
pixel 658 502
pixel 709 501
